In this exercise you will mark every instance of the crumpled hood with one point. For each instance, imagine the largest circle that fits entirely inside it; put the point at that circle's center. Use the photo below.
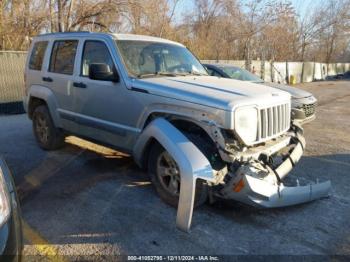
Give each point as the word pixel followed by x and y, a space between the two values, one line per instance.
pixel 295 92
pixel 222 93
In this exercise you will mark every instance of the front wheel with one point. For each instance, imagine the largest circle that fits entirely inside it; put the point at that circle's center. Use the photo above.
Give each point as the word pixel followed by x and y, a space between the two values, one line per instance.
pixel 47 135
pixel 165 176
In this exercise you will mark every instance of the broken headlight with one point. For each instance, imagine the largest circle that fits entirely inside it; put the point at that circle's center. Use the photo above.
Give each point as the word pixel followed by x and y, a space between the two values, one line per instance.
pixel 246 124
pixel 4 200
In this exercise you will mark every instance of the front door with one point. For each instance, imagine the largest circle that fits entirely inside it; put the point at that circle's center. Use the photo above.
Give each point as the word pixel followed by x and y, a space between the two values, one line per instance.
pixel 102 107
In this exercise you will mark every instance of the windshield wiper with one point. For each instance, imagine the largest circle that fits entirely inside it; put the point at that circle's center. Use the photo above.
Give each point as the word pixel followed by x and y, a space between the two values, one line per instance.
pixel 195 73
pixel 157 74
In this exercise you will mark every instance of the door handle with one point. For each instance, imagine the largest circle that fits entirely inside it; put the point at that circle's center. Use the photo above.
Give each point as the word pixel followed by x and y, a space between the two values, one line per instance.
pixel 79 85
pixel 47 79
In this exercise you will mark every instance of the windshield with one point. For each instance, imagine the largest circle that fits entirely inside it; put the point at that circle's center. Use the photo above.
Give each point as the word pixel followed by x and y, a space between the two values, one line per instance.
pixel 143 59
pixel 240 74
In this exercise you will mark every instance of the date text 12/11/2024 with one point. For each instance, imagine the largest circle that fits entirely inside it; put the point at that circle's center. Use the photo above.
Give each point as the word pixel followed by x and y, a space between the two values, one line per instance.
pixel 173 258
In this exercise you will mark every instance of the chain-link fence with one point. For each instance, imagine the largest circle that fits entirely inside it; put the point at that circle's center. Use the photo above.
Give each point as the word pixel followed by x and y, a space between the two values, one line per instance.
pixel 12 81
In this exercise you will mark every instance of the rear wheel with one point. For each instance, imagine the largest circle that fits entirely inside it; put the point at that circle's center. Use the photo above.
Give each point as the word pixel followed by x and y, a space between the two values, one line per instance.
pixel 165 176
pixel 47 135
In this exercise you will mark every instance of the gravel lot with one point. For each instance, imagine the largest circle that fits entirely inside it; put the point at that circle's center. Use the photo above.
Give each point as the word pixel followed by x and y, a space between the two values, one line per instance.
pixel 89 200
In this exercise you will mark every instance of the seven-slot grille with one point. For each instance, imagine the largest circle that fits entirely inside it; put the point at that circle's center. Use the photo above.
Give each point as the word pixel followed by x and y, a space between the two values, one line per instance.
pixel 309 109
pixel 273 121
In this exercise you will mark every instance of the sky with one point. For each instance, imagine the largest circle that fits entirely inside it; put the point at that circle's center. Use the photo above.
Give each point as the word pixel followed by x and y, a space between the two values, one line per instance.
pixel 302 7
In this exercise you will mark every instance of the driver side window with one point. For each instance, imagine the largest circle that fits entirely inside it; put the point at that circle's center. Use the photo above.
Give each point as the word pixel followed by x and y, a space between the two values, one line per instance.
pixel 95 52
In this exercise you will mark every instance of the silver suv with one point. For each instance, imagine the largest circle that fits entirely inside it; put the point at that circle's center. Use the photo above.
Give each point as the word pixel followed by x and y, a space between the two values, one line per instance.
pixel 150 97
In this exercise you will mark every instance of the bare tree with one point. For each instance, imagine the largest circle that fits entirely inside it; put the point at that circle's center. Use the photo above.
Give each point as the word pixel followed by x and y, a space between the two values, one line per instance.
pixel 215 29
pixel 167 19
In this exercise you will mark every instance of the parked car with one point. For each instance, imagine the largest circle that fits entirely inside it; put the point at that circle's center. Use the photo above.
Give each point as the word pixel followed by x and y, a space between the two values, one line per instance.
pixel 11 243
pixel 152 98
pixel 303 103
pixel 347 75
pixel 344 76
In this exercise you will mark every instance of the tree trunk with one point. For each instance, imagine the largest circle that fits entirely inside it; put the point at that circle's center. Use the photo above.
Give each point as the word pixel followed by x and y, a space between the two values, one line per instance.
pixel 169 19
pixel 70 10
pixel 287 73
pixel 248 61
pixel 262 64
pixel 52 24
pixel 330 51
pixel 59 16
pixel 303 48
pixel 302 73
pixel 303 52
pixel 27 23
pixel 272 69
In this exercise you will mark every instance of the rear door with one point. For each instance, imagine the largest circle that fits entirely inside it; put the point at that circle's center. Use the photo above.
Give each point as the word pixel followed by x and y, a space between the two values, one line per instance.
pixel 60 75
pixel 35 62
pixel 34 65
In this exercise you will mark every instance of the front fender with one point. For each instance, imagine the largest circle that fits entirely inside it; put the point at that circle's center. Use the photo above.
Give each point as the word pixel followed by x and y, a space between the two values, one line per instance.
pixel 44 93
pixel 192 164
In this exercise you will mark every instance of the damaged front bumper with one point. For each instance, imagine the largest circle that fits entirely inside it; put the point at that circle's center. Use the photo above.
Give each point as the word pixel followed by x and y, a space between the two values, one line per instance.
pixel 259 184
pixel 261 193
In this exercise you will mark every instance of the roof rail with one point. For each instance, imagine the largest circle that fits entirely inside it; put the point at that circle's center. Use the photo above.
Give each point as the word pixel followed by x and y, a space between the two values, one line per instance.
pixel 68 32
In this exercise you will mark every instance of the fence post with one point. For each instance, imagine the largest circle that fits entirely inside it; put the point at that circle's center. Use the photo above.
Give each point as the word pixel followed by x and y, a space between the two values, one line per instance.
pixel 302 72
pixel 287 73
pixel 262 69
pixel 272 71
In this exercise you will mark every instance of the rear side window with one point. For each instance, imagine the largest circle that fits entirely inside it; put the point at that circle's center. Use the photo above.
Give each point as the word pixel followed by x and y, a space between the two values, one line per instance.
pixel 95 52
pixel 63 57
pixel 37 56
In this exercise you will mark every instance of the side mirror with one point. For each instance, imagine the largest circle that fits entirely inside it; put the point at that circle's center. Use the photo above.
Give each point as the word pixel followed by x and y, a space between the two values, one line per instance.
pixel 101 71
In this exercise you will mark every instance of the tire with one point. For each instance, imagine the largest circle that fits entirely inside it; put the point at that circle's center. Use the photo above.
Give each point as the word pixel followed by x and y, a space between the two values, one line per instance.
pixel 157 152
pixel 46 134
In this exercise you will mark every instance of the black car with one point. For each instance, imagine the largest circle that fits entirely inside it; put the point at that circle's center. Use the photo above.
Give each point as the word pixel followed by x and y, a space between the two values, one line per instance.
pixel 344 76
pixel 228 71
pixel 11 242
